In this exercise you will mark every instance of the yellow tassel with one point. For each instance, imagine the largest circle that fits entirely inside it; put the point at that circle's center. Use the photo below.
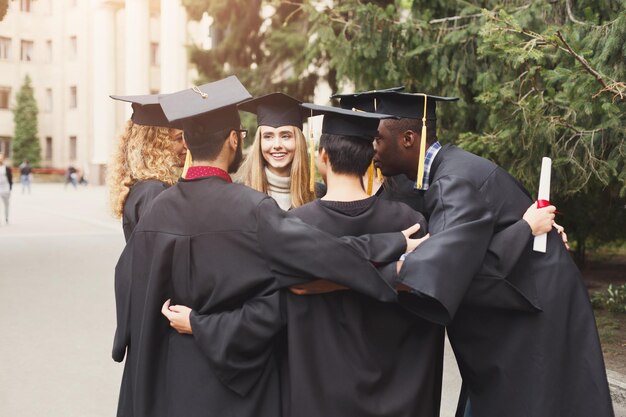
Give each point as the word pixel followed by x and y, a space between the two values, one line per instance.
pixel 379 175
pixel 370 179
pixel 312 157
pixel 188 162
pixel 420 162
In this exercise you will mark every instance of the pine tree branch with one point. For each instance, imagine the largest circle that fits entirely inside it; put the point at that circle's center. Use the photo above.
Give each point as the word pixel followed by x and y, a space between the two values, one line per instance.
pixel 568 5
pixel 616 88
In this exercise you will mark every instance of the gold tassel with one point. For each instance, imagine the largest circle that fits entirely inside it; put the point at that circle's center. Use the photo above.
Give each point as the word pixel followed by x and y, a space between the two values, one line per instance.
pixel 420 163
pixel 379 175
pixel 370 179
pixel 312 157
pixel 188 163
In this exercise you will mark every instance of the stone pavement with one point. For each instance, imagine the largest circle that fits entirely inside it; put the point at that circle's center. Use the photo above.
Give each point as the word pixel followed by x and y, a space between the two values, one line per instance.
pixel 57 259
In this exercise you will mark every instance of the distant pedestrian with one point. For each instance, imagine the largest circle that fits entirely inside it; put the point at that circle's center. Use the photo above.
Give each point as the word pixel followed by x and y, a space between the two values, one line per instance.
pixel 6 184
pixel 71 177
pixel 25 175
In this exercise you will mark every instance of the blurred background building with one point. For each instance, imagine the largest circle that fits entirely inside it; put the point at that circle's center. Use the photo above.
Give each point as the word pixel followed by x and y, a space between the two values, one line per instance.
pixel 77 53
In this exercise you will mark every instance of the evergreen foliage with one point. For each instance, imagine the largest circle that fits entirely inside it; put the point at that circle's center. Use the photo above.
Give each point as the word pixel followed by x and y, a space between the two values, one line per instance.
pixel 25 141
pixel 536 78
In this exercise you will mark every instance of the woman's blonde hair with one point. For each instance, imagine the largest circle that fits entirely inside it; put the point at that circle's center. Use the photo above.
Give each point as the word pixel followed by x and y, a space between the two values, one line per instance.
pixel 143 153
pixel 252 171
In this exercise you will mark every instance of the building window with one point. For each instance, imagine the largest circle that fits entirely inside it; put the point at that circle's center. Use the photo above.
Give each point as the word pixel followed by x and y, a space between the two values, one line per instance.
pixel 27 51
pixel 73 48
pixel 48 149
pixel 73 98
pixel 5 146
pixel 48 101
pixel 5 97
pixel 25 5
pixel 73 148
pixel 49 50
pixel 155 58
pixel 5 47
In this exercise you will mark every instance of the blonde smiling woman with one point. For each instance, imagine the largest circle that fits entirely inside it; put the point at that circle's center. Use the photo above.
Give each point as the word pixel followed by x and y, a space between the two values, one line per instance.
pixel 277 163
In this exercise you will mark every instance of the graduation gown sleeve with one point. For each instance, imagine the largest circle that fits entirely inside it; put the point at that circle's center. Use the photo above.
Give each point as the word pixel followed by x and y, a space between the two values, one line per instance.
pixel 441 269
pixel 492 287
pixel 297 252
pixel 239 343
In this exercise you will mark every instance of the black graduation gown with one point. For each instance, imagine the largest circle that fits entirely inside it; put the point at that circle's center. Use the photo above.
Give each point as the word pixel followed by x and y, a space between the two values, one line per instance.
pixel 212 246
pixel 351 355
pixel 401 188
pixel 523 330
pixel 137 202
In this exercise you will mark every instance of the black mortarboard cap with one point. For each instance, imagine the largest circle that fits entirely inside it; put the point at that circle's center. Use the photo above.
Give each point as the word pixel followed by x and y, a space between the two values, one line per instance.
pixel 146 110
pixel 410 105
pixel 275 110
pixel 364 100
pixel 346 122
pixel 210 107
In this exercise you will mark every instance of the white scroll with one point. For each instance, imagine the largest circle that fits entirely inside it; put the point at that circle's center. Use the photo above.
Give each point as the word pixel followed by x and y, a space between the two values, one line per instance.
pixel 544 194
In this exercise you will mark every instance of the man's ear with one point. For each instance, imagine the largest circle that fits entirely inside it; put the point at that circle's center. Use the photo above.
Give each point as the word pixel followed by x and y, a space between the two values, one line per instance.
pixel 409 138
pixel 233 139
pixel 323 156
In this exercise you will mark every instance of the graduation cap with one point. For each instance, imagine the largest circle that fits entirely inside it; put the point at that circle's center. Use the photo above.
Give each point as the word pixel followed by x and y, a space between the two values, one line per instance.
pixel 344 122
pixel 411 105
pixel 146 110
pixel 204 110
pixel 364 100
pixel 211 106
pixel 275 110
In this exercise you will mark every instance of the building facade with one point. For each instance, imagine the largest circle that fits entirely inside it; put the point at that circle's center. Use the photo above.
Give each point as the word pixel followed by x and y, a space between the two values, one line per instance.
pixel 77 53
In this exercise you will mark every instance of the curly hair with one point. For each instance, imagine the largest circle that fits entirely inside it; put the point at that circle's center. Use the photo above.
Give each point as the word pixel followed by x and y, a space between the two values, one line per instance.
pixel 252 171
pixel 142 153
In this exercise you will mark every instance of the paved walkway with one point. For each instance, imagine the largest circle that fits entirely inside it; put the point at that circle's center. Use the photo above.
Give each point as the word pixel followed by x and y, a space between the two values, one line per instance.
pixel 57 259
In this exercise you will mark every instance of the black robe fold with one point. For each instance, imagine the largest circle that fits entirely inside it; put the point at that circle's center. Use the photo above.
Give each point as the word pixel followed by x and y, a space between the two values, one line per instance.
pixel 222 248
pixel 351 355
pixel 520 322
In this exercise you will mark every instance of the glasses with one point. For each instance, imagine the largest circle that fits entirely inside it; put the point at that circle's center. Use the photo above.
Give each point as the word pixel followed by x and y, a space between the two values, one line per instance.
pixel 243 133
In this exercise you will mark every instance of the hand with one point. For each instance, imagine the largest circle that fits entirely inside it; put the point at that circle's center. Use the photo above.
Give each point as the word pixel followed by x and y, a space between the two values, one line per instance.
pixel 319 286
pixel 561 231
pixel 412 244
pixel 178 317
pixel 539 219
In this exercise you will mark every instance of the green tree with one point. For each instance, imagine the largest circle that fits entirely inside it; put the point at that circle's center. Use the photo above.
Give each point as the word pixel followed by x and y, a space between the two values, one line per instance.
pixel 266 54
pixel 536 78
pixel 25 141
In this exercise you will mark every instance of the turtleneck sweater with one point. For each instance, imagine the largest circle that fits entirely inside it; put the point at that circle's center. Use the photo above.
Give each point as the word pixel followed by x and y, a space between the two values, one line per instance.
pixel 279 189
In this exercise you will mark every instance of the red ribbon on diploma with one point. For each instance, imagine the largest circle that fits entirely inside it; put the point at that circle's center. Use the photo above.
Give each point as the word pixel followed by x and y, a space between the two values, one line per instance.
pixel 545 203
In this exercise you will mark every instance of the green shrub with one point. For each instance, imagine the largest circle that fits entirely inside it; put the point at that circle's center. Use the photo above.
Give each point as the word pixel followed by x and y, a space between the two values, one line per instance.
pixel 613 299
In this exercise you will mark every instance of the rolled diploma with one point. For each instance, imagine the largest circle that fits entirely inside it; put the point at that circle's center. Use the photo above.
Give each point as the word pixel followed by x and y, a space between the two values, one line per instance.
pixel 540 242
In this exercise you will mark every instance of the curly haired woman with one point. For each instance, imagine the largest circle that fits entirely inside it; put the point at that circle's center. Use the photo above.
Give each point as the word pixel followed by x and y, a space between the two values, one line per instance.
pixel 148 159
pixel 277 163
